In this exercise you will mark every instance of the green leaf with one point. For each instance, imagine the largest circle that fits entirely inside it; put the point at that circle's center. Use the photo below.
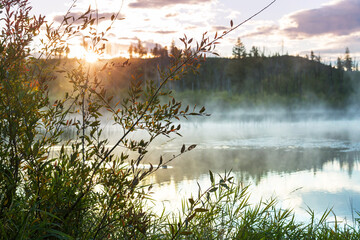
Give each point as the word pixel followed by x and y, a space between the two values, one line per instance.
pixel 212 178
pixel 172 229
pixel 191 217
pixel 201 210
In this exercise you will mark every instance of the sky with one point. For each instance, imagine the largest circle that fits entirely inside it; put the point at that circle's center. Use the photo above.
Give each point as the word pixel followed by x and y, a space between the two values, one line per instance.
pixel 295 27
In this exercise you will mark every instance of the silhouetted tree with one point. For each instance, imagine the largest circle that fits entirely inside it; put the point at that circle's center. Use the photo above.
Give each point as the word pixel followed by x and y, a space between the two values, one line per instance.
pixel 140 49
pixel 239 50
pixel 173 49
pixel 348 63
pixel 312 55
pixel 156 50
pixel 339 64
pixel 254 51
pixel 131 50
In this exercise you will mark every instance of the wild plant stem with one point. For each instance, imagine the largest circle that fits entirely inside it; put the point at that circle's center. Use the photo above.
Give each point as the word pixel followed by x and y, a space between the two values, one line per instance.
pixel 171 74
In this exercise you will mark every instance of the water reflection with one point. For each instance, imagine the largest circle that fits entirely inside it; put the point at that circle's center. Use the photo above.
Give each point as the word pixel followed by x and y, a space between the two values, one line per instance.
pixel 312 162
pixel 304 164
pixel 256 164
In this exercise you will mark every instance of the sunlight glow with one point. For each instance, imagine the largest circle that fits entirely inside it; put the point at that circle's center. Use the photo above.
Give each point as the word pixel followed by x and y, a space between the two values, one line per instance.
pixel 80 52
pixel 91 57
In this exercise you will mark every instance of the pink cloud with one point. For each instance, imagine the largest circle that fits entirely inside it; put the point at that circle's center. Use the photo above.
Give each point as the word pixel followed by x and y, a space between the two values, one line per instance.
pixel 163 3
pixel 341 18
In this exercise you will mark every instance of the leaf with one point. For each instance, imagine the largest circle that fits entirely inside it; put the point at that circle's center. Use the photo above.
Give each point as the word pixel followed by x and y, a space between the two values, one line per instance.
pixel 104 67
pixel 201 210
pixel 191 147
pixel 186 233
pixel 87 12
pixel 212 177
pixel 183 148
pixel 224 185
pixel 172 229
pixel 161 160
pixel 187 108
pixel 191 201
pixel 231 23
pixel 202 110
pixel 191 217
pixel 112 17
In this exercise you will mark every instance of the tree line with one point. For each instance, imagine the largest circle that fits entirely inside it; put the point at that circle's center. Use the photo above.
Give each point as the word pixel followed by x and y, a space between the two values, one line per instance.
pixel 256 75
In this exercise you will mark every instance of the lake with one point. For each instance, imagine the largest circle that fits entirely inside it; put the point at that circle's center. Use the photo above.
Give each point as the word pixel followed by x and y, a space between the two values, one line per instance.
pixel 307 160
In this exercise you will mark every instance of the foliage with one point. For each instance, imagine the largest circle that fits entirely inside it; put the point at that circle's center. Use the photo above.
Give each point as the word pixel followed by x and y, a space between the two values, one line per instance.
pixel 224 211
pixel 291 78
pixel 82 190
pixel 273 80
pixel 77 188
pixel 239 50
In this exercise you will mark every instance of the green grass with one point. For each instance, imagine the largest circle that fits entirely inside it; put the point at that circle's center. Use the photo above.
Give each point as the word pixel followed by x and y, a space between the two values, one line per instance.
pixel 223 211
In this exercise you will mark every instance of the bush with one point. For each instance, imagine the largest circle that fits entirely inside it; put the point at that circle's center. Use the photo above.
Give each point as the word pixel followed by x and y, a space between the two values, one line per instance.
pixel 77 188
pixel 83 190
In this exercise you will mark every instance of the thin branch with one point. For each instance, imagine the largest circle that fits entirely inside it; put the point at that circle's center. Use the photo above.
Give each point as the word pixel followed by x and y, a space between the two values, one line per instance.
pixel 171 75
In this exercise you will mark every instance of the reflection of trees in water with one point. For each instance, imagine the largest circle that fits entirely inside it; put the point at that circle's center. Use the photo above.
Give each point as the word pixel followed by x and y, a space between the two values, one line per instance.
pixel 253 164
pixel 256 163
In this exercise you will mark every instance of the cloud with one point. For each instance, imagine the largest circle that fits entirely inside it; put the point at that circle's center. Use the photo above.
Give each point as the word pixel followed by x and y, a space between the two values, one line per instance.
pixel 163 3
pixel 338 18
pixel 263 31
pixel 191 27
pixel 159 31
pixel 103 16
pixel 337 46
pixel 171 15
pixel 219 28
pixel 127 38
pixel 165 32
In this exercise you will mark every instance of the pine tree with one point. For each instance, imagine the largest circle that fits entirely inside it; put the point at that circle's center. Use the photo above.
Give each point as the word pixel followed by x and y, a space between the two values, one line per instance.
pixel 131 50
pixel 239 50
pixel 348 63
pixel 156 50
pixel 339 64
pixel 173 49
pixel 140 49
pixel 312 55
pixel 254 51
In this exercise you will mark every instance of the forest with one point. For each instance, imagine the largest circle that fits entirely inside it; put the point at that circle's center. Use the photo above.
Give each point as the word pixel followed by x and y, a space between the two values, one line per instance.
pixel 245 79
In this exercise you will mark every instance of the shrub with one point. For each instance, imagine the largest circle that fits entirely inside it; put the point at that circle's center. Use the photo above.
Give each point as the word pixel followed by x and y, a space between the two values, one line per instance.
pixel 83 190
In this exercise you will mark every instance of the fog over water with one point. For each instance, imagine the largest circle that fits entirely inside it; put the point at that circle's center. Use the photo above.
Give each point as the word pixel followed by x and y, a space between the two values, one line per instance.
pixel 304 158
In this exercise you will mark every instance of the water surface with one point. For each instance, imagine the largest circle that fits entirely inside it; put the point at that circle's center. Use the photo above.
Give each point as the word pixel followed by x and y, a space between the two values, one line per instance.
pixel 305 162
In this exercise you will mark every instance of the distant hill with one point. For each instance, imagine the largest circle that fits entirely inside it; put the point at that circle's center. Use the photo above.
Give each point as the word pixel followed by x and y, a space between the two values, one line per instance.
pixel 286 79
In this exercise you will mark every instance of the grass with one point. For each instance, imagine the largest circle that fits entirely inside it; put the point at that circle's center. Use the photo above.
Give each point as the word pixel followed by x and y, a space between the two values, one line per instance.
pixel 223 211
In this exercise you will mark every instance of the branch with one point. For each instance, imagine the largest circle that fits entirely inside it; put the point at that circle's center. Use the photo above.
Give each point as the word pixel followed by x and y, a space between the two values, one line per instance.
pixel 171 74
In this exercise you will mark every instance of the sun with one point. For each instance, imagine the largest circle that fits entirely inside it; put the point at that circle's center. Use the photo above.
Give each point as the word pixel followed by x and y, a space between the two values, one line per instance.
pixel 91 57
pixel 80 52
